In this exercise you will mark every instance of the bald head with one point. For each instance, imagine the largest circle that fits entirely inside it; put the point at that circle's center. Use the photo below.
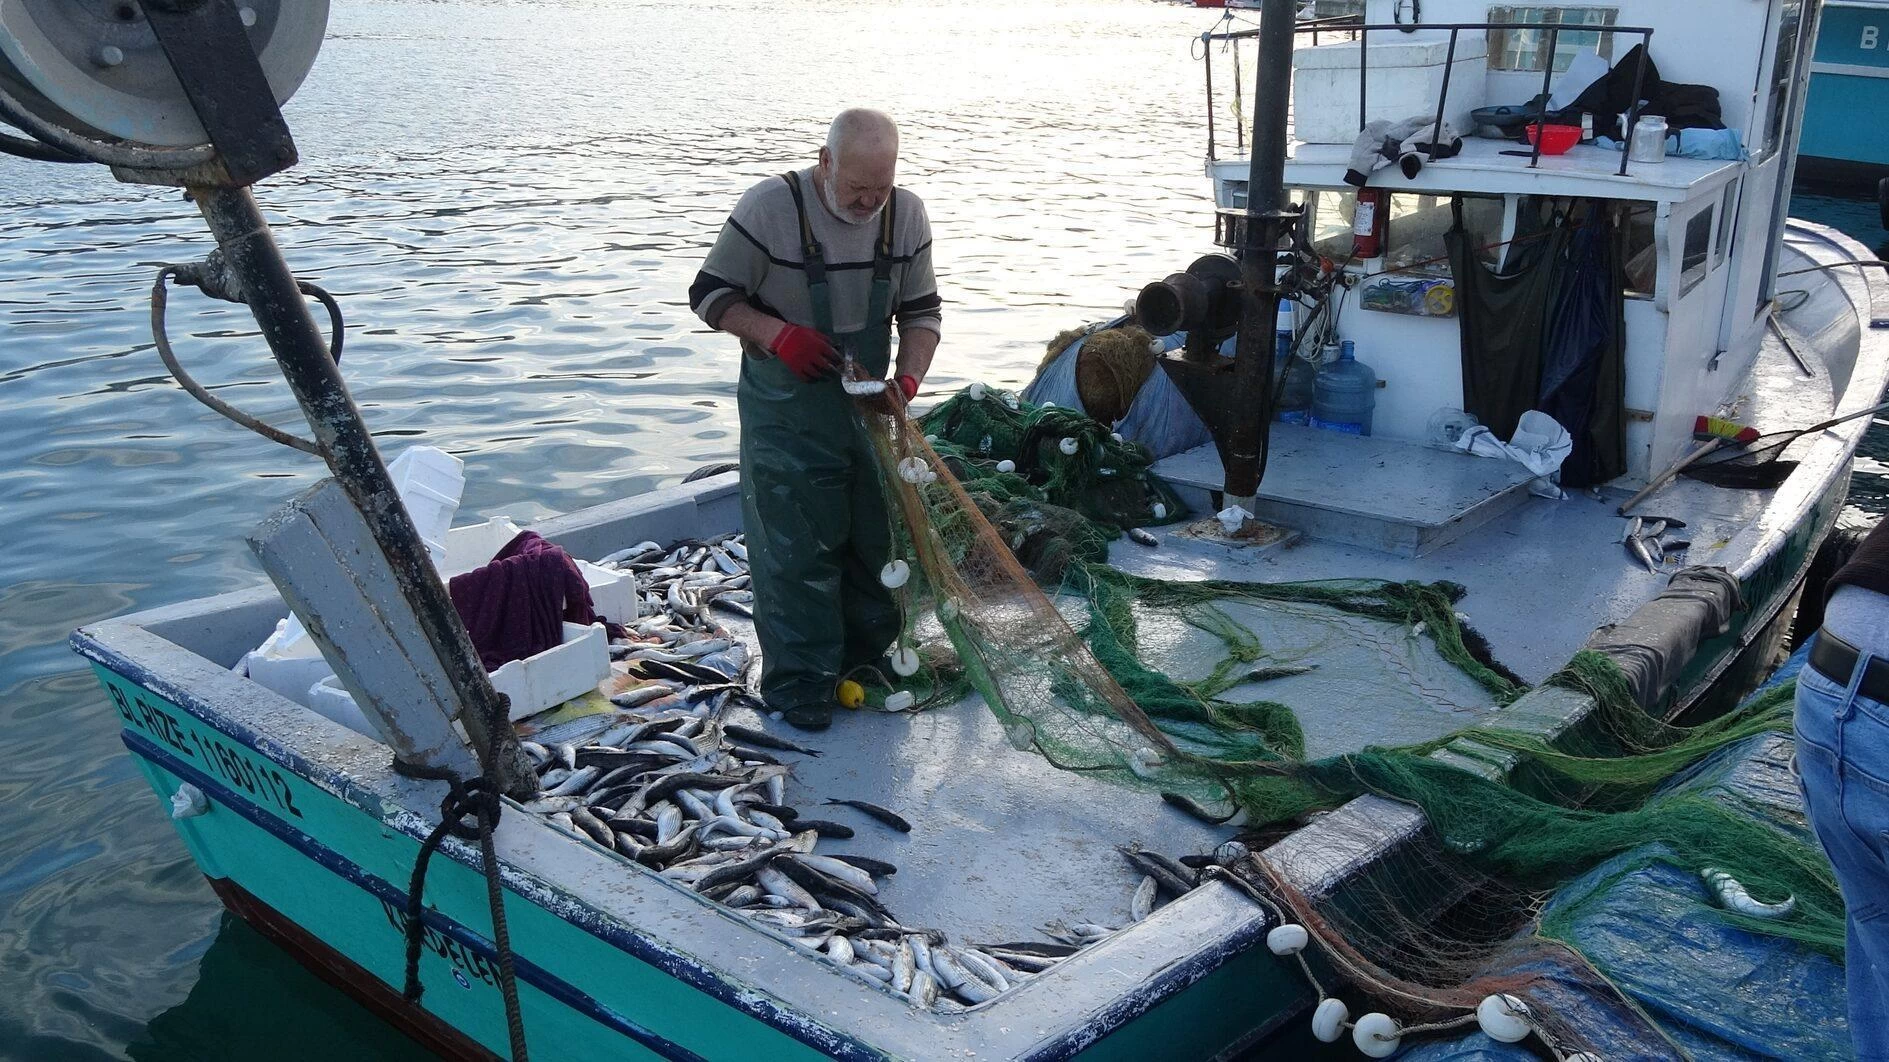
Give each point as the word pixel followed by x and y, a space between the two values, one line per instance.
pixel 860 132
pixel 858 163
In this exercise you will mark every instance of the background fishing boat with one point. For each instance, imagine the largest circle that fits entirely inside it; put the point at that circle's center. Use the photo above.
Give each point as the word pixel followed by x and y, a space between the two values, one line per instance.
pixel 1849 69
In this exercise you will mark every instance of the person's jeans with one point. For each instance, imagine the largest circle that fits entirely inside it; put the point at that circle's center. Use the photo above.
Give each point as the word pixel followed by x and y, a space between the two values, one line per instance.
pixel 1843 763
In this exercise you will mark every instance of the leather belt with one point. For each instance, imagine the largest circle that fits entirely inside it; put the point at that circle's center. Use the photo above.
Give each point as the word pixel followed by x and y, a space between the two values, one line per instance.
pixel 1835 659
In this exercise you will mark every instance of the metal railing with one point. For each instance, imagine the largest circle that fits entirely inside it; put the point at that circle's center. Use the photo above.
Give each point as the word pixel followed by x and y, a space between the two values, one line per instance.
pixel 1363 31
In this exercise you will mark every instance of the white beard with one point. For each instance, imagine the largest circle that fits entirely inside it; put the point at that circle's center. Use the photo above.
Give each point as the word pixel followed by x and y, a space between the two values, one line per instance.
pixel 853 217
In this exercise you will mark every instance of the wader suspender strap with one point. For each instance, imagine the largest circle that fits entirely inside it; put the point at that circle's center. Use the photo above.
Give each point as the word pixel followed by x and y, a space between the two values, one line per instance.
pixel 814 256
pixel 814 259
pixel 879 309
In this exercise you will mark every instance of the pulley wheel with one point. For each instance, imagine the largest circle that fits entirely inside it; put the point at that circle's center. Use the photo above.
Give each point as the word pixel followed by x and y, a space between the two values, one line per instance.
pixel 91 66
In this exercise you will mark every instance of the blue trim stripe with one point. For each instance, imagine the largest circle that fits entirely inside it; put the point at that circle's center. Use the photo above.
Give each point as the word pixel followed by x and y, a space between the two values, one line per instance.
pixel 342 867
pixel 821 1038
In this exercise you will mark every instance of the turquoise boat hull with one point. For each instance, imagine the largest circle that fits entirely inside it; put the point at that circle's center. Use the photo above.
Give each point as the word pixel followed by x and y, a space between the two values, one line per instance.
pixel 311 838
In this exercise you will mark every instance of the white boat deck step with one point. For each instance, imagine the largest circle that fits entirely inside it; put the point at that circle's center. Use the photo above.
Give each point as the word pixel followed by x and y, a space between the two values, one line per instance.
pixel 1402 498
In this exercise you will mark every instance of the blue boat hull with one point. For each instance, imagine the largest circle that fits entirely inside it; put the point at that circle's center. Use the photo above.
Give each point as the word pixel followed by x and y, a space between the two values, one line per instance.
pixel 1844 137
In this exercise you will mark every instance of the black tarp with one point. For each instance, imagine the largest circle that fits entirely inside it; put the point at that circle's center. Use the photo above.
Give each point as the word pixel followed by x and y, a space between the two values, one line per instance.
pixel 1583 363
pixel 1503 317
pixel 1549 333
pixel 1683 106
pixel 1653 646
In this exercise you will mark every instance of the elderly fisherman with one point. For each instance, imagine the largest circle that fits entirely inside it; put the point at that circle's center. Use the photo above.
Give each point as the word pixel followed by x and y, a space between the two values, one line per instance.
pixel 812 270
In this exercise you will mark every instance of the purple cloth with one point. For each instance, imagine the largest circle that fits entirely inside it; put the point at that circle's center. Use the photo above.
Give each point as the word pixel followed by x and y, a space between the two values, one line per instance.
pixel 516 606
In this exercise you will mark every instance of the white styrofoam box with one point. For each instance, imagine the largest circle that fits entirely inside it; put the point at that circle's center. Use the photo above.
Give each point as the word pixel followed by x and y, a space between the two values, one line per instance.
pixel 1405 78
pixel 429 481
pixel 557 674
pixel 474 545
pixel 612 593
pixel 288 662
pixel 328 698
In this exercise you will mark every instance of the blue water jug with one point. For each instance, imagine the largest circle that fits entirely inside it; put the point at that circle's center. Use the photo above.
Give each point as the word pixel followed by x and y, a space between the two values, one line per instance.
pixel 1345 394
pixel 1295 397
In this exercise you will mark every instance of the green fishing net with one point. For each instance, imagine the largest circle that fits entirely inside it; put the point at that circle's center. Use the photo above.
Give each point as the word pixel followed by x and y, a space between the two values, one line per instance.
pixel 1065 457
pixel 1206 692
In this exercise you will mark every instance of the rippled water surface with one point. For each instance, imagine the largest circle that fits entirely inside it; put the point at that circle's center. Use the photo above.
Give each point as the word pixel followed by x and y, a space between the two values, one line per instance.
pixel 510 200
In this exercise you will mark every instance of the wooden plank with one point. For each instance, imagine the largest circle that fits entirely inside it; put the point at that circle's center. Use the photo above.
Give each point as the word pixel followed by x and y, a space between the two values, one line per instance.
pixel 321 556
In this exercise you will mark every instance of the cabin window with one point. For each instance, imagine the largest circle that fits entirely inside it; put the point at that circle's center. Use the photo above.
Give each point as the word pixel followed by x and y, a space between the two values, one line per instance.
pixel 1697 248
pixel 1414 233
pixel 1526 49
pixel 1727 215
pixel 1783 69
pixel 1328 216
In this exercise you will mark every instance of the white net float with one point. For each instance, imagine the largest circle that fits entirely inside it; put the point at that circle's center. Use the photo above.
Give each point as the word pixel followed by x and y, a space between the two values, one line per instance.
pixel 1328 1021
pixel 1144 761
pixel 1504 1018
pixel 1377 1035
pixel 905 662
pixel 895 574
pixel 900 701
pixel 1288 939
pixel 1069 446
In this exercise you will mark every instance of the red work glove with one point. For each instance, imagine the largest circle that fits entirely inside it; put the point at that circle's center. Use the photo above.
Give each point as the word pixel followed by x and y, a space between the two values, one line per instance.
pixel 805 352
pixel 908 386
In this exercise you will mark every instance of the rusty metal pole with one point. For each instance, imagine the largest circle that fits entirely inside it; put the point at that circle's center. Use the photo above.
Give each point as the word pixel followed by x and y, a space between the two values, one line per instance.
pixel 1266 218
pixel 278 306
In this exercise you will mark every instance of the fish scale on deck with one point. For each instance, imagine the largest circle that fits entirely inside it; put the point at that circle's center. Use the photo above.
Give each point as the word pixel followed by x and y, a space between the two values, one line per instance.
pixel 665 782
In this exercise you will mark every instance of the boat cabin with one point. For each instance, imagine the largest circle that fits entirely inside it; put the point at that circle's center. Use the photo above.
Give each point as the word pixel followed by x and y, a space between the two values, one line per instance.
pixel 1701 234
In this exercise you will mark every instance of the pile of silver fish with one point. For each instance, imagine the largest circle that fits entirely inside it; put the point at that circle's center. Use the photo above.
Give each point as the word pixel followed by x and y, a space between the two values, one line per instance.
pixel 666 782
pixel 681 587
pixel 1645 541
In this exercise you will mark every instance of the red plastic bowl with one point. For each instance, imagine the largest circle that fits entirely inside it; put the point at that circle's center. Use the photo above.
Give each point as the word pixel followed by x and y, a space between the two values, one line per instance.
pixel 1556 140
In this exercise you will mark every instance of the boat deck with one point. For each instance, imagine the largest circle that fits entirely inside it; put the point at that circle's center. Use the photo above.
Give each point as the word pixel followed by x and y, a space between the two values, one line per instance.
pixel 1001 841
pixel 1541 577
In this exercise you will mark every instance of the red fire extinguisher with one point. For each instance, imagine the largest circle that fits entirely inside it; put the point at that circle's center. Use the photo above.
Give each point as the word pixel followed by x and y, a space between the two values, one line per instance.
pixel 1367 223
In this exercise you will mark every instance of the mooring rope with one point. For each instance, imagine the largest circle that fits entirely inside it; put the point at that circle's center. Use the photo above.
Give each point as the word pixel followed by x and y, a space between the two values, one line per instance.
pixel 480 798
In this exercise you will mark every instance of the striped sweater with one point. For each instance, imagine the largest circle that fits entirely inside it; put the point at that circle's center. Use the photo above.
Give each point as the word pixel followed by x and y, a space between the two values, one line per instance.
pixel 758 257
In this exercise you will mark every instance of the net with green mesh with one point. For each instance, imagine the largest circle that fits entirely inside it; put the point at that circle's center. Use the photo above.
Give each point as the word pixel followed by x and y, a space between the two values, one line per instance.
pixel 1202 691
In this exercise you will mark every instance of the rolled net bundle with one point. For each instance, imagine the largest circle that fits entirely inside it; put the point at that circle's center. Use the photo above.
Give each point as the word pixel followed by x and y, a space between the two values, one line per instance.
pixel 1068 458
